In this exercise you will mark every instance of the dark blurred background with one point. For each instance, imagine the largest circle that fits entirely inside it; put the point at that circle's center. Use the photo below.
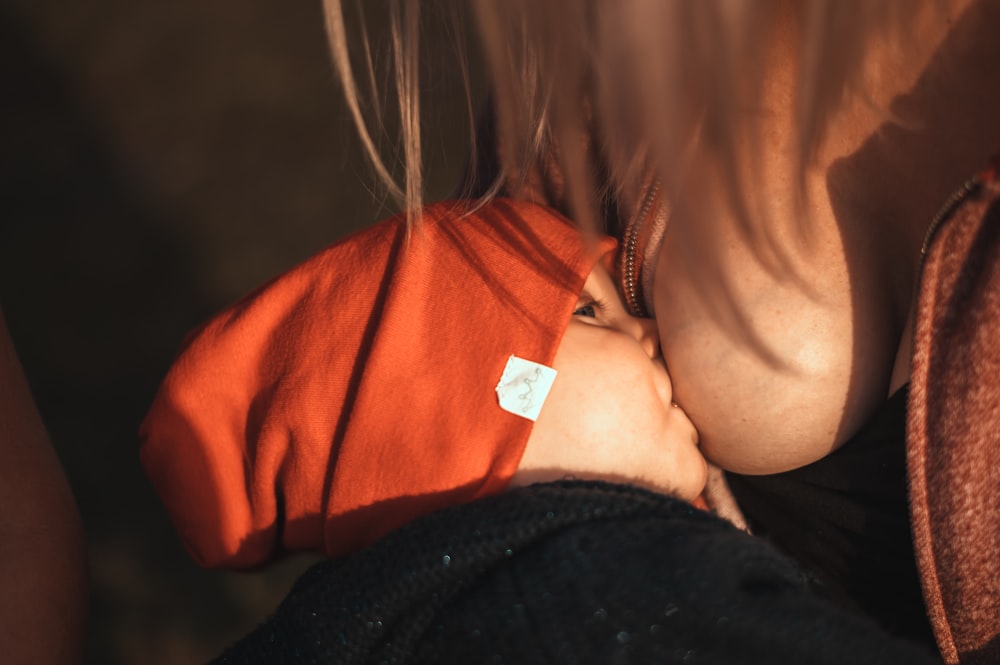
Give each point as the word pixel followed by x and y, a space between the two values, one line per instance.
pixel 157 160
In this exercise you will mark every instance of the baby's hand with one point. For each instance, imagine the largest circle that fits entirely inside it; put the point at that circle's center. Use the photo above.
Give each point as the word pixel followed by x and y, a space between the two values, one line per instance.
pixel 720 499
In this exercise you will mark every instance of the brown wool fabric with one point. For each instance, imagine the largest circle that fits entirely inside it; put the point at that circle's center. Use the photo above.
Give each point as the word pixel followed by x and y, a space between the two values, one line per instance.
pixel 356 391
pixel 953 431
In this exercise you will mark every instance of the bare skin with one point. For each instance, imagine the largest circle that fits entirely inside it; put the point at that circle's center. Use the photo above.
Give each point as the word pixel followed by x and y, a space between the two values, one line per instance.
pixel 829 333
pixel 610 414
pixel 42 556
pixel 838 339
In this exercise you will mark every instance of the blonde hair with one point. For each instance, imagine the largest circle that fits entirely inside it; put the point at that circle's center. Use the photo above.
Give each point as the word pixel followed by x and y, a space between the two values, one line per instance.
pixel 615 92
pixel 380 91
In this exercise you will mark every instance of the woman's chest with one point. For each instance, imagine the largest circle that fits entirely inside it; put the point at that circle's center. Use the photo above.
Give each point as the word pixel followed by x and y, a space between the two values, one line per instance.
pixel 776 369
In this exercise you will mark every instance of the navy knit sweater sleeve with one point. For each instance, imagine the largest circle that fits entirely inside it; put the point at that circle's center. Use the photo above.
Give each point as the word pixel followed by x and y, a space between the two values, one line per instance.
pixel 571 572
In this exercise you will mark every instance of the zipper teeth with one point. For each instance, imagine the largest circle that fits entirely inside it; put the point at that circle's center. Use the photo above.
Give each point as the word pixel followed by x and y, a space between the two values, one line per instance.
pixel 631 280
pixel 969 187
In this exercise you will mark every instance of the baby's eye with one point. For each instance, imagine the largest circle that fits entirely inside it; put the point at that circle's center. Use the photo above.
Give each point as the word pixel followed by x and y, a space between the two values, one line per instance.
pixel 589 307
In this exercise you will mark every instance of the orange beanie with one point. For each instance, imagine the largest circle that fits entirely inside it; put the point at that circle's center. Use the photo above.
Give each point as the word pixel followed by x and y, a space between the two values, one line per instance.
pixel 357 391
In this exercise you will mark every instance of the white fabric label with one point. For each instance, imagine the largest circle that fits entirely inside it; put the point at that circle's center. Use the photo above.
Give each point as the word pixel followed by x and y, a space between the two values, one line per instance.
pixel 524 386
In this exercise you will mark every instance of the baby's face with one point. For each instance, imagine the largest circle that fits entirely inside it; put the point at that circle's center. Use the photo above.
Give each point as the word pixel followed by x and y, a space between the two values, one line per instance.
pixel 610 413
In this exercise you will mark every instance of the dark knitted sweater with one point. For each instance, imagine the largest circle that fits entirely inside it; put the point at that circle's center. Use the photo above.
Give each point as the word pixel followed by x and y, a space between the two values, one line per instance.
pixel 569 572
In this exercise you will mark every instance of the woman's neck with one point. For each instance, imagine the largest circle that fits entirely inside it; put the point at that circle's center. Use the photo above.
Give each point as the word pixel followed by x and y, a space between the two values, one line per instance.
pixel 820 347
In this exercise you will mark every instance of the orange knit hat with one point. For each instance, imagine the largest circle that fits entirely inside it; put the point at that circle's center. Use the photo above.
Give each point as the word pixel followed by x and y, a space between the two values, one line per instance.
pixel 357 391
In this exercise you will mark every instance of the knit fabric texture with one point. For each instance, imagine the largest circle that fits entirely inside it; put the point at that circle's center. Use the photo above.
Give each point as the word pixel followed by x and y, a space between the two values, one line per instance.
pixel 953 429
pixel 571 572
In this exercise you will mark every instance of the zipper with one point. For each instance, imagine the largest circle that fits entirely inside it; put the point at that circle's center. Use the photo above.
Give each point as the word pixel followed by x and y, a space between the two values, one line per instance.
pixel 969 188
pixel 630 278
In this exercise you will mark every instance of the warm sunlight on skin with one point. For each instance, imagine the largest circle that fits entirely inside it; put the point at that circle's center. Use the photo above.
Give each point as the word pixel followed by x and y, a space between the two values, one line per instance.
pixel 610 413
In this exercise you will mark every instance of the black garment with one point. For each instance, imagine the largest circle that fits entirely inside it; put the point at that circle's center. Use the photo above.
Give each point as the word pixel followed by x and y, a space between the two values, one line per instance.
pixel 572 573
pixel 845 519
